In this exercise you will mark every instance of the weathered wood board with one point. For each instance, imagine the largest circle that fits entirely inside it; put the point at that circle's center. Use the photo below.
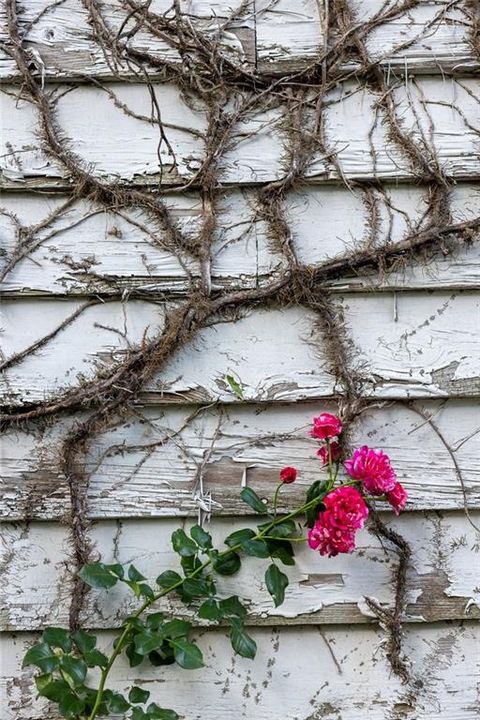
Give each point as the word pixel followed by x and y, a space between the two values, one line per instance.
pixel 152 465
pixel 278 37
pixel 340 674
pixel 88 250
pixel 407 346
pixel 356 133
pixel 442 580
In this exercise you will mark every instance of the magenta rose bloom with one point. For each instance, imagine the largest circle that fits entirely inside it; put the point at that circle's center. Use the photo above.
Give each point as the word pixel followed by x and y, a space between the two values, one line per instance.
pixel 326 426
pixel 288 475
pixel 397 498
pixel 373 468
pixel 329 539
pixel 335 451
pixel 346 507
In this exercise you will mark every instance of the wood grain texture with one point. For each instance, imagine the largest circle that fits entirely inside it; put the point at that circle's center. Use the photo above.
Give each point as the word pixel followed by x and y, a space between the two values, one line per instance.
pixel 160 465
pixel 88 250
pixel 340 673
pixel 407 345
pixel 278 37
pixel 442 581
pixel 119 147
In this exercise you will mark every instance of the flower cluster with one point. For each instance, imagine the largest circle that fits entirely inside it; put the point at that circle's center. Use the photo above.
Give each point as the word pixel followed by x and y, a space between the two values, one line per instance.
pixel 344 510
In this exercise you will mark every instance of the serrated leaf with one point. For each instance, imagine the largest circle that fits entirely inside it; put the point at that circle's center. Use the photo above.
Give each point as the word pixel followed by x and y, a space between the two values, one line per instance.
pixel 227 564
pixel 256 548
pixel 187 655
pixel 147 641
pixel 283 550
pixel 163 656
pixel 168 578
pixel 138 695
pixel 98 575
pixel 210 610
pixel 182 544
pixel 154 712
pixel 73 670
pixel 285 529
pixel 71 705
pixel 202 538
pixel 242 643
pixel 57 637
pixel 235 386
pixel 134 658
pixel 232 606
pixel 239 536
pixel 42 656
pixel 84 641
pixel 118 704
pixel 50 688
pixel 177 628
pixel 250 497
pixel 95 658
pixel 276 582
pixel 197 587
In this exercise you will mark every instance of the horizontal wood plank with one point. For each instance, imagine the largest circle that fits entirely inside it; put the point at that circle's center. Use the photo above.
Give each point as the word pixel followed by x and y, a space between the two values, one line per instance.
pixel 171 460
pixel 278 38
pixel 442 581
pixel 407 345
pixel 440 114
pixel 88 250
pixel 341 672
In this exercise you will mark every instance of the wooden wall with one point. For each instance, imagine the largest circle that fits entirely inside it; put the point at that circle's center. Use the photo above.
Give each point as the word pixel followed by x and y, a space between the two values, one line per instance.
pixel 94 282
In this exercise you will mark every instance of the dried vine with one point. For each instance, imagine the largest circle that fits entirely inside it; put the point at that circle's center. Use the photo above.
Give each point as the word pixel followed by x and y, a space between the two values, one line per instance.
pixel 230 92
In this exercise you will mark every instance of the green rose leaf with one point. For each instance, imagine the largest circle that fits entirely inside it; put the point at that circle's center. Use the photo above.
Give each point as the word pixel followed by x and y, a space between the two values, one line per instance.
pixel 256 548
pixel 176 628
pixel 57 637
pixel 134 658
pixel 73 670
pixel 117 704
pixel 147 641
pixel 168 578
pixel 202 538
pixel 182 544
pixel 154 620
pixel 239 536
pixel 210 610
pixel 226 564
pixel 84 641
pixel 135 575
pixel 41 655
pixel 276 582
pixel 197 587
pixel 137 695
pixel 187 655
pixel 98 575
pixel 250 497
pixel 283 550
pixel 138 714
pixel 316 490
pixel 70 705
pixel 95 658
pixel 52 689
pixel 285 529
pixel 157 713
pixel 163 656
pixel 242 643
pixel 232 606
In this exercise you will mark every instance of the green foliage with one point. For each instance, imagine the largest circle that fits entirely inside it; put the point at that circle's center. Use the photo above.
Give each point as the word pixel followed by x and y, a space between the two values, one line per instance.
pixel 99 575
pixel 226 564
pixel 137 695
pixel 235 386
pixel 316 491
pixel 187 655
pixel 276 582
pixel 202 538
pixel 250 497
pixel 182 544
pixel 242 643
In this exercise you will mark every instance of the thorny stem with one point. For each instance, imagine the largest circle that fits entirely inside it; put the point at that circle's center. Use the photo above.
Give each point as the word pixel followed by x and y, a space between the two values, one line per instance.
pixel 150 601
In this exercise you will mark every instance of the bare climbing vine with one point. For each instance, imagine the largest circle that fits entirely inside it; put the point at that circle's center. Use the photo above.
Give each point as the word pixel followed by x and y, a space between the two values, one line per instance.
pixel 232 91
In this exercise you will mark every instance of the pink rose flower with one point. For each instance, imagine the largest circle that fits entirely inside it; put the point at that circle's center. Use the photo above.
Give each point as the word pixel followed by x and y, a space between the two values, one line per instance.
pixel 335 451
pixel 326 426
pixel 346 507
pixel 373 468
pixel 397 498
pixel 329 539
pixel 288 475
